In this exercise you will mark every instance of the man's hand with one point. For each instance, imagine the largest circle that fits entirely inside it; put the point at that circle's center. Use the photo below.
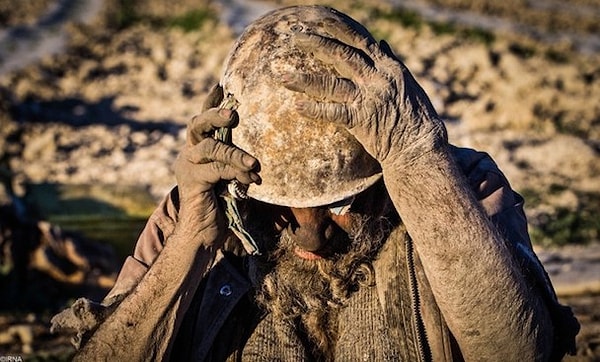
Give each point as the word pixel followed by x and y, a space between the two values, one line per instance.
pixel 204 161
pixel 375 98
pixel 146 321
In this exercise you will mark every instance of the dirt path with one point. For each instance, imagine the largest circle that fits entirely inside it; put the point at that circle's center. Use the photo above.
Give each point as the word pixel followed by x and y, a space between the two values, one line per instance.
pixel 548 21
pixel 574 269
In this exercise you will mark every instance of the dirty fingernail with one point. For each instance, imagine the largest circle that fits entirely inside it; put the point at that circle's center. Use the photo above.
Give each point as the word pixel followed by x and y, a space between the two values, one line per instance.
pixel 255 178
pixel 287 77
pixel 225 113
pixel 248 160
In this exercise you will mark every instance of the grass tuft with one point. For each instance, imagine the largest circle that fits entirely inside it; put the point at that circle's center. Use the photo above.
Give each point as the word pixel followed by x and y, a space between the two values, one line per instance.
pixel 406 18
pixel 563 226
pixel 191 20
pixel 411 19
pixel 127 14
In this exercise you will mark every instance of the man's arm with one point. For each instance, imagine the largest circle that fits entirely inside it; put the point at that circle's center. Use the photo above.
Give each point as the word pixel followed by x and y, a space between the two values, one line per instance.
pixel 505 209
pixel 84 316
pixel 475 278
pixel 476 281
pixel 144 323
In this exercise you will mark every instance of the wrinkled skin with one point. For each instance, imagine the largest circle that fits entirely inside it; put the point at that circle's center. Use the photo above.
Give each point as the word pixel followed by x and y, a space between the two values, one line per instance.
pixel 376 98
pixel 476 282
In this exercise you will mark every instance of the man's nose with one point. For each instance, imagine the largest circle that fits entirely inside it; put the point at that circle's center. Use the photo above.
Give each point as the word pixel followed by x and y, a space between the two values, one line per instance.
pixel 312 228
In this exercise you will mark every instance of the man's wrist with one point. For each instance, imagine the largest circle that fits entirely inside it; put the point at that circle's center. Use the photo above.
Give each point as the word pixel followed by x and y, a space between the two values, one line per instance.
pixel 410 160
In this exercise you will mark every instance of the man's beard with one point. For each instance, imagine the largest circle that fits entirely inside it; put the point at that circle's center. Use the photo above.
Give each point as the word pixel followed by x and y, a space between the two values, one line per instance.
pixel 307 294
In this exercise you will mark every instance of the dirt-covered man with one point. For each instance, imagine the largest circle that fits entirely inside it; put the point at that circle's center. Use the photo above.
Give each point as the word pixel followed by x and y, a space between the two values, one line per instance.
pixel 366 234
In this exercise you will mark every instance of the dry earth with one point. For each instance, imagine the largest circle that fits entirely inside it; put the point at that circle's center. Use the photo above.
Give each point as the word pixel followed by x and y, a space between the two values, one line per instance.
pixel 111 109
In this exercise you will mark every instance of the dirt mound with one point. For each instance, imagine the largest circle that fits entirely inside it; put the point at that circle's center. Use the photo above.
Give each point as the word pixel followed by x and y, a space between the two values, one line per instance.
pixel 28 12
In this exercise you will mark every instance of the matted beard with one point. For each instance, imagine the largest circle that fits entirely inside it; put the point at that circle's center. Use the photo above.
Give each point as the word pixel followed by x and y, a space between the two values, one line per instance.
pixel 308 294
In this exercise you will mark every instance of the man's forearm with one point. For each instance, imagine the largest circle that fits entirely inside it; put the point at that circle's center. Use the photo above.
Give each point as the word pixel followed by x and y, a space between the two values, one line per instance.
pixel 144 324
pixel 478 285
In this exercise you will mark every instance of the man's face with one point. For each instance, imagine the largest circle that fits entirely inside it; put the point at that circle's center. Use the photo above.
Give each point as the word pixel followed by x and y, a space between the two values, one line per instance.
pixel 313 230
pixel 314 259
pixel 317 232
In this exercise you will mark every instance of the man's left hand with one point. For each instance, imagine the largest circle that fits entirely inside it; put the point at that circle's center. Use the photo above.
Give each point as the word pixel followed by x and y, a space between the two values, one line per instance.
pixel 375 97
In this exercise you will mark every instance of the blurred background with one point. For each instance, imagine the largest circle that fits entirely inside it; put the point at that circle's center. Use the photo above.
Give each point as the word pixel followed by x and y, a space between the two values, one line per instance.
pixel 95 95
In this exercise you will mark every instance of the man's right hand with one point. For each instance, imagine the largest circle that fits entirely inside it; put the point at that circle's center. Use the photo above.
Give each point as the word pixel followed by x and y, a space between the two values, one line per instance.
pixel 203 162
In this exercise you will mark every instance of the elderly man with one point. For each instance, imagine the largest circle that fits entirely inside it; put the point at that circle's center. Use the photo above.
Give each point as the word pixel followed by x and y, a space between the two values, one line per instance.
pixel 365 235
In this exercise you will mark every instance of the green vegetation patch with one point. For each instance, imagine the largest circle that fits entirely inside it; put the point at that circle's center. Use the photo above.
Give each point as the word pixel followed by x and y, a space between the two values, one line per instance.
pixel 557 56
pixel 191 20
pixel 522 51
pixel 475 34
pixel 113 214
pixel 129 13
pixel 411 19
pixel 563 225
pixel 406 18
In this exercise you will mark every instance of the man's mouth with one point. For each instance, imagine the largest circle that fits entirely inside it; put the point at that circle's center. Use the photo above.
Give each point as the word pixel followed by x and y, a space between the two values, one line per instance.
pixel 305 254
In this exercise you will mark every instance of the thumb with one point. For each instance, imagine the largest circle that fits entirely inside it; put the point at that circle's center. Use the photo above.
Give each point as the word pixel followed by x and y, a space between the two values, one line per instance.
pixel 387 50
pixel 214 97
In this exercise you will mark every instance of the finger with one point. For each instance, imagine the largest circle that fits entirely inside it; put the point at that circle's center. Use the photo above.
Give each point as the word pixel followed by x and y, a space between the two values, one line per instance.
pixel 217 171
pixel 227 172
pixel 214 97
pixel 203 125
pixel 385 47
pixel 321 87
pixel 339 113
pixel 245 177
pixel 350 62
pixel 212 150
pixel 350 32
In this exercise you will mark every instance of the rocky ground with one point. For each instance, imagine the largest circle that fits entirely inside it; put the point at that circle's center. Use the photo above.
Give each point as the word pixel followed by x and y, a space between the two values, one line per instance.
pixel 111 107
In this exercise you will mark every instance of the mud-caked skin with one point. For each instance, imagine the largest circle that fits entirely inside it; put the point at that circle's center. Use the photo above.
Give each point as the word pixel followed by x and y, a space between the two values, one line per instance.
pixel 475 277
pixel 375 97
pixel 144 323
